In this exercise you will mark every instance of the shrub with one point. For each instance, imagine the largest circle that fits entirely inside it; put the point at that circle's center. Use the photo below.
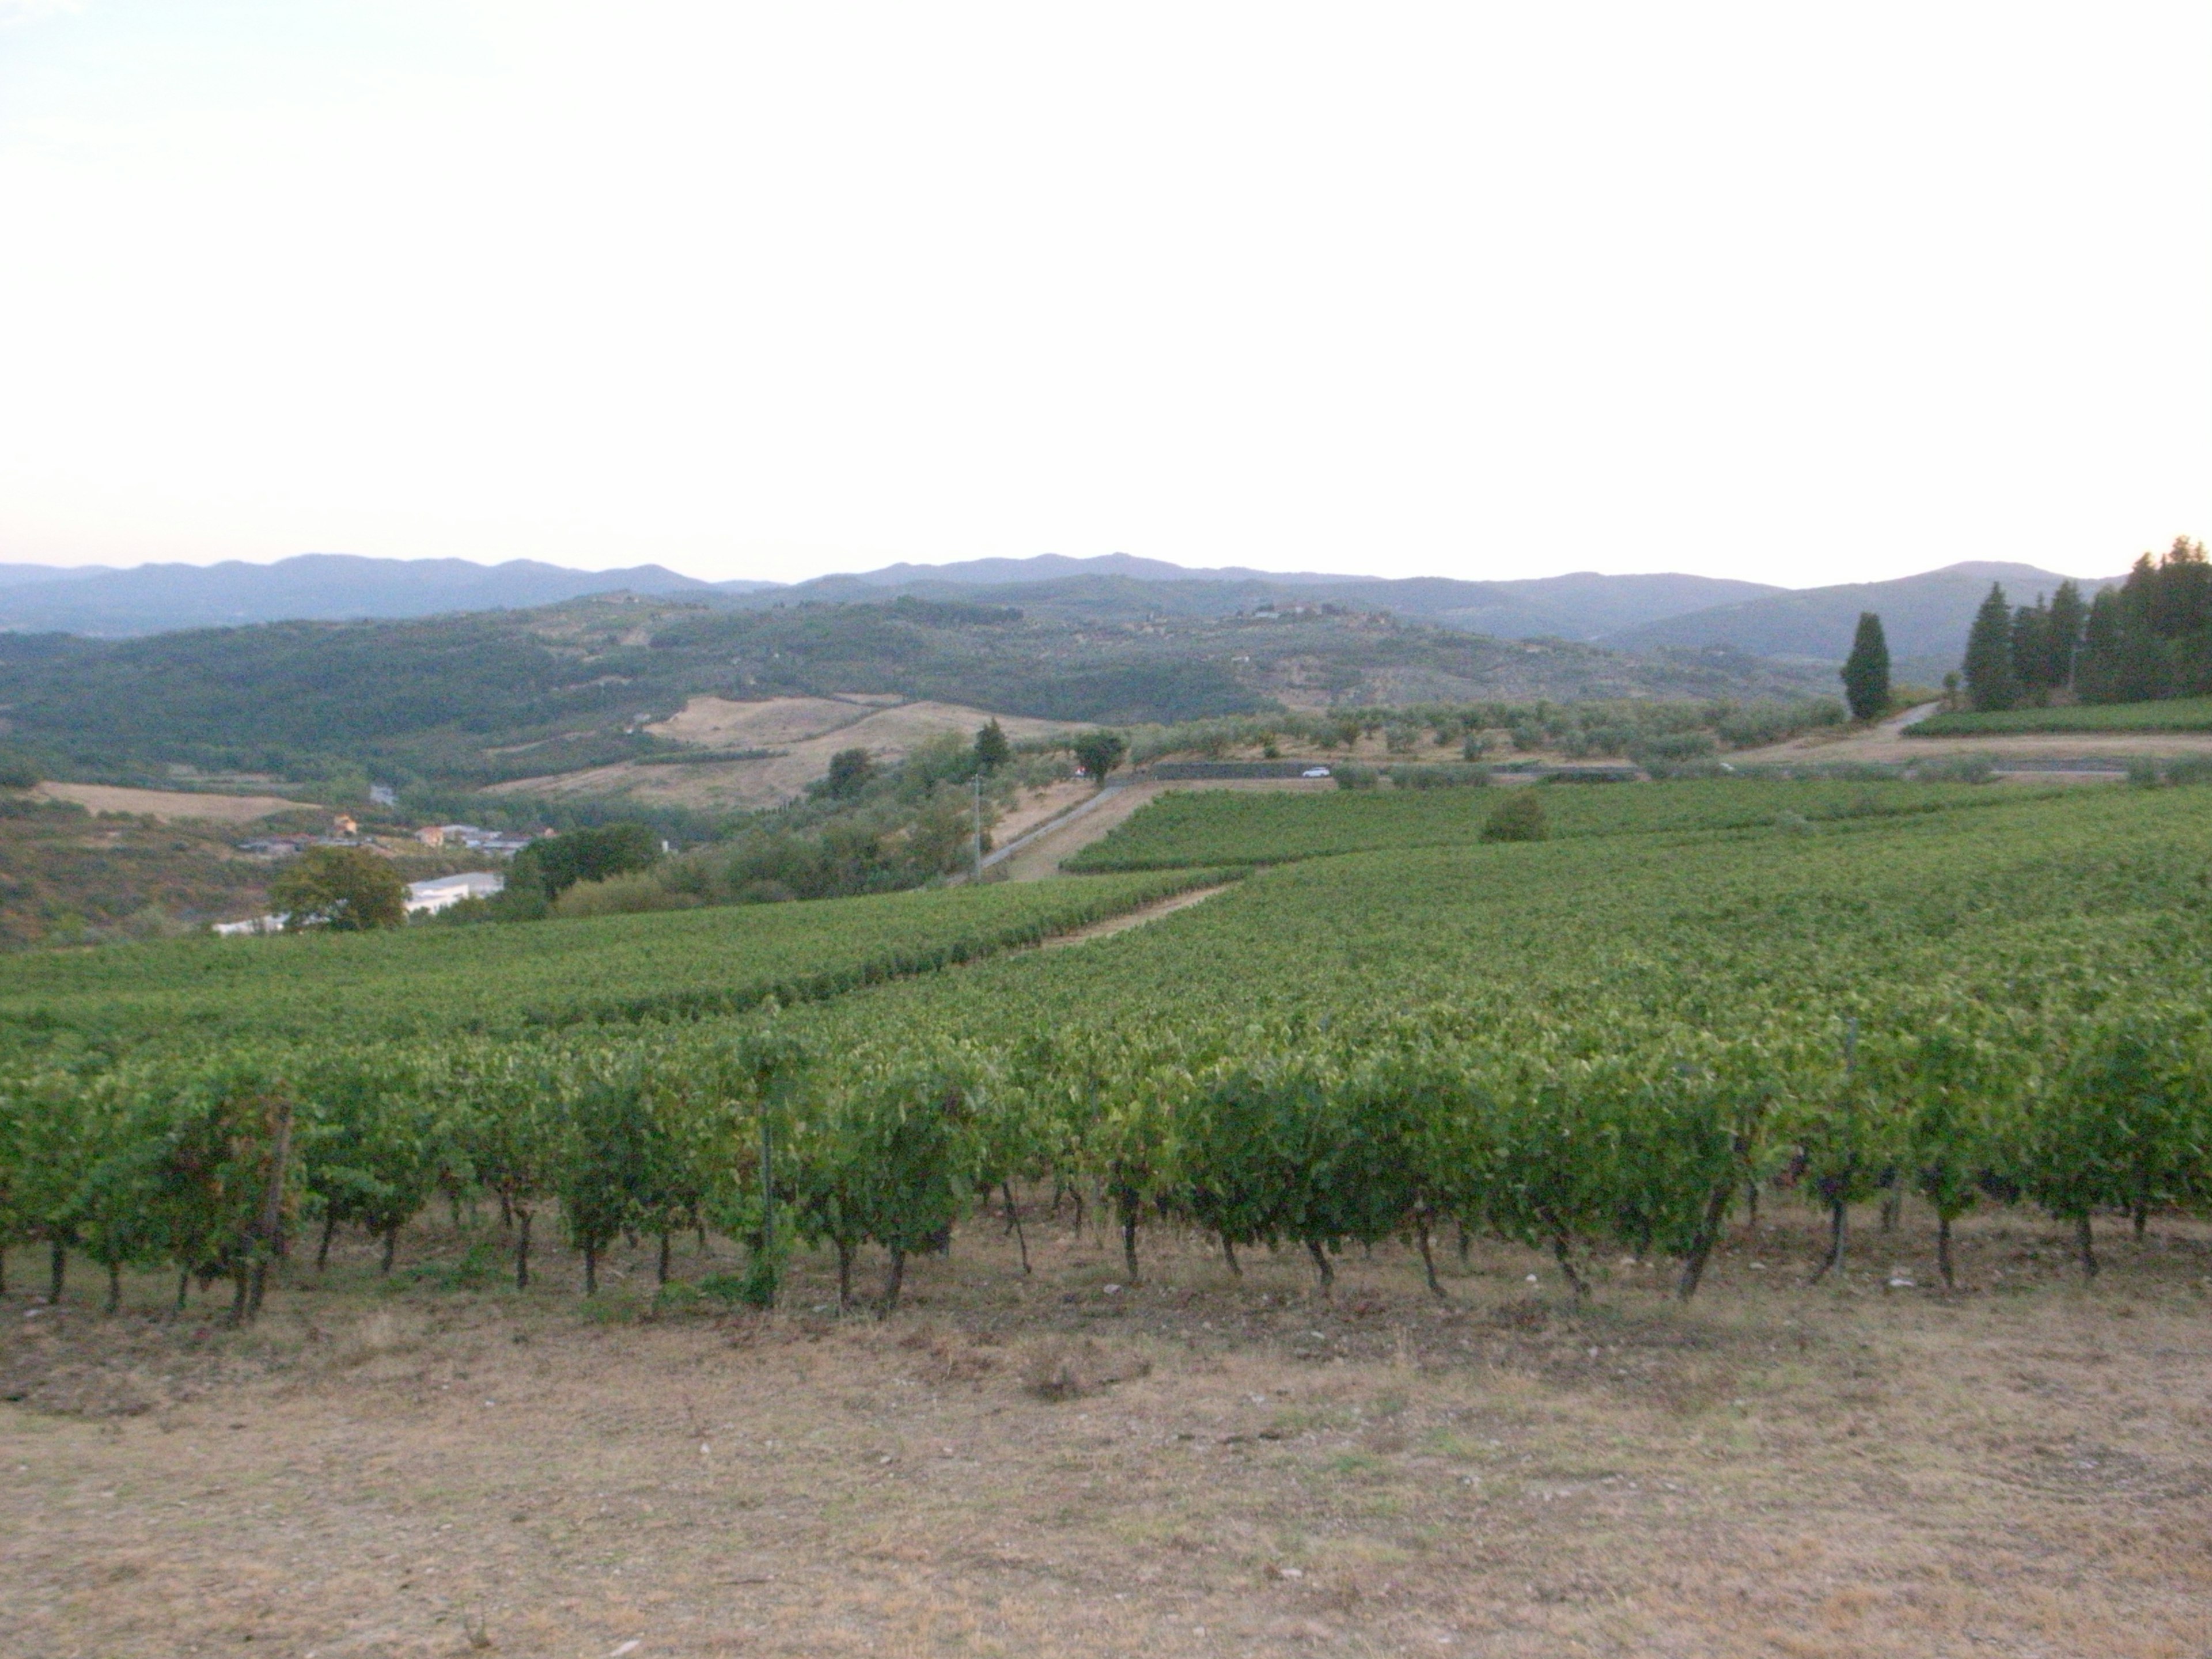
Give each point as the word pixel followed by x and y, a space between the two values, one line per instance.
pixel 621 896
pixel 1439 777
pixel 1519 816
pixel 1674 747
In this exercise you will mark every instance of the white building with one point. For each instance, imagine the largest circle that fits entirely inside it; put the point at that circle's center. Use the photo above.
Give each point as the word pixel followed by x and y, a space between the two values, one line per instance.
pixel 251 925
pixel 429 897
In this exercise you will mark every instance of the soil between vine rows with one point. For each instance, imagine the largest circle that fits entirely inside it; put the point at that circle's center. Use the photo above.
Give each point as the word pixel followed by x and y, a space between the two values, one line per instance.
pixel 409 1468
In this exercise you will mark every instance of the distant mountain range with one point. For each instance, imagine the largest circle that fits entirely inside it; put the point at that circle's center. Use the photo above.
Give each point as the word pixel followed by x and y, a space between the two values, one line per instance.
pixel 155 599
pixel 1925 617
pixel 1118 587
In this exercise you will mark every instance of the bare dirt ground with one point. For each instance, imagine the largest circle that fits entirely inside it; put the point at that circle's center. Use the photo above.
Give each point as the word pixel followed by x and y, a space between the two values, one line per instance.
pixel 1128 919
pixel 1068 1464
pixel 1040 806
pixel 809 730
pixel 170 804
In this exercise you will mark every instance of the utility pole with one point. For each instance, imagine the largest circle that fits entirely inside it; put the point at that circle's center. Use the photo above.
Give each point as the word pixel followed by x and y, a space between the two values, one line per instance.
pixel 978 782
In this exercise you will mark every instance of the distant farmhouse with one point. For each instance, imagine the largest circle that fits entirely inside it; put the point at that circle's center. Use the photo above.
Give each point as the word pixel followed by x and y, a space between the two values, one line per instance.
pixel 427 898
pixel 476 839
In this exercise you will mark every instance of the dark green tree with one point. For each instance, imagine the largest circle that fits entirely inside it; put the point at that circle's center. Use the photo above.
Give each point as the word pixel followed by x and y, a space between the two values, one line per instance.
pixel 346 889
pixel 1866 671
pixel 2100 667
pixel 850 770
pixel 2062 638
pixel 557 863
pixel 1989 677
pixel 992 748
pixel 2031 649
pixel 1098 753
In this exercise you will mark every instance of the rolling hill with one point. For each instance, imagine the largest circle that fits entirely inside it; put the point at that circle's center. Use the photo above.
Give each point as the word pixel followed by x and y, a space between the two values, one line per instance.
pixel 152 598
pixel 1580 606
pixel 1924 617
pixel 325 586
pixel 468 701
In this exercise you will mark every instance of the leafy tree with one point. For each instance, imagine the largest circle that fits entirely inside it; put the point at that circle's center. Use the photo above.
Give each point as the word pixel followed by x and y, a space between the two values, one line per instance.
pixel 1991 680
pixel 992 748
pixel 346 889
pixel 1866 671
pixel 1519 816
pixel 851 771
pixel 1098 753
pixel 555 863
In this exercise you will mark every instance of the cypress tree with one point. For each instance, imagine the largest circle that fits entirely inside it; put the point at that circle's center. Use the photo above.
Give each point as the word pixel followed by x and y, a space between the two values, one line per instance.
pixel 1866 671
pixel 2061 640
pixel 992 748
pixel 2140 665
pixel 2100 666
pixel 1989 677
pixel 2031 648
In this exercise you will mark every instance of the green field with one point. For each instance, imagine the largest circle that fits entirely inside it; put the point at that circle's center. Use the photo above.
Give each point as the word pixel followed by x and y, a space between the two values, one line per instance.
pixel 1987 893
pixel 486 978
pixel 2173 714
pixel 1231 827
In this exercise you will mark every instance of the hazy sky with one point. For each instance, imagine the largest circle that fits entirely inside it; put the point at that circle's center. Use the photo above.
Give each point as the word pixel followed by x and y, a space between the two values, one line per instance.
pixel 1804 294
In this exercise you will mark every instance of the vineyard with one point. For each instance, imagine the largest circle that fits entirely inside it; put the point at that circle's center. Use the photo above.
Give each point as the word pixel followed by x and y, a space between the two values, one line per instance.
pixel 1182 829
pixel 2172 714
pixel 1696 999
pixel 310 987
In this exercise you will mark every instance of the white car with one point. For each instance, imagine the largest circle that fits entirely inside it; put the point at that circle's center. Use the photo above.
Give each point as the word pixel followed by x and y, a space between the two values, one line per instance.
pixel 1315 772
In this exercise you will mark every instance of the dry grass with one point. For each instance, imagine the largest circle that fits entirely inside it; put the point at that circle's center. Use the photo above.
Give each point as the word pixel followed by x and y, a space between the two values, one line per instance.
pixel 805 731
pixel 172 804
pixel 1065 1464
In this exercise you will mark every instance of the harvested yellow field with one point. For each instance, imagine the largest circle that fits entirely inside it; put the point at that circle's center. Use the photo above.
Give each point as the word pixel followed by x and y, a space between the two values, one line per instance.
pixel 807 730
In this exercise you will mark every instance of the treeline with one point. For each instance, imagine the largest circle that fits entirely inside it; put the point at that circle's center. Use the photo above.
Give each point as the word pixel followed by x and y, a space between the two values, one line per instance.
pixel 863 827
pixel 1597 1130
pixel 1645 730
pixel 2147 639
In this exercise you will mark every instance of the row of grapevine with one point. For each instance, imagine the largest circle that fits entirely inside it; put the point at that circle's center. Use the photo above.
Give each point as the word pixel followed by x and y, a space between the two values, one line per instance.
pixel 1613 1131
pixel 423 982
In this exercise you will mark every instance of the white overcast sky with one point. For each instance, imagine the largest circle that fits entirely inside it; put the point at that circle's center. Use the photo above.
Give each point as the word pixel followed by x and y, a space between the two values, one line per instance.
pixel 1804 294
